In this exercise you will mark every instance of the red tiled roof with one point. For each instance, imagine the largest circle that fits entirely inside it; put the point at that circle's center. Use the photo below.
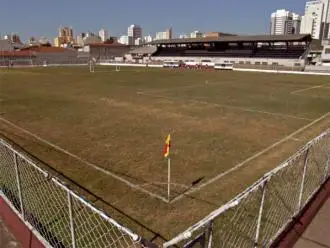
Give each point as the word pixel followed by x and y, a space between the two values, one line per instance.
pixel 17 53
pixel 46 49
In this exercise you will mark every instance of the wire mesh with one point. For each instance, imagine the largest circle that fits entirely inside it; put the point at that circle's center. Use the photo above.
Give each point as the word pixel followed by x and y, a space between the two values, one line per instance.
pixel 262 211
pixel 282 197
pixel 252 219
pixel 60 216
pixel 8 180
pixel 45 205
pixel 237 226
pixel 316 170
pixel 92 230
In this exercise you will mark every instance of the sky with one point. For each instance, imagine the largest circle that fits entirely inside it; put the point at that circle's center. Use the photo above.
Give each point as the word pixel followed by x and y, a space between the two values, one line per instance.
pixel 42 18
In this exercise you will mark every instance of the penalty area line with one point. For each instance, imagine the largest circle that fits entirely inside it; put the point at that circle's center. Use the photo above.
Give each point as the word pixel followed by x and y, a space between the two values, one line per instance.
pixel 236 167
pixel 225 106
pixel 94 166
pixel 309 88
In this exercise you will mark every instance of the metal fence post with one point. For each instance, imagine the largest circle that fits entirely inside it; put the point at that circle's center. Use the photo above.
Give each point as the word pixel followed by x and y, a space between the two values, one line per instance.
pixel 18 181
pixel 256 239
pixel 210 233
pixel 73 239
pixel 303 180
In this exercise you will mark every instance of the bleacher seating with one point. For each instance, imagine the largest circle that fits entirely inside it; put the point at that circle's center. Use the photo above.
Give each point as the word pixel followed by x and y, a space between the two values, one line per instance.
pixel 279 53
pixel 144 50
pixel 262 52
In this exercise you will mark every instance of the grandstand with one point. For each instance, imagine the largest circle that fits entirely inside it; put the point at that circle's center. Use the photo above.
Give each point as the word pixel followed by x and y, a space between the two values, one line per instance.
pixel 55 55
pixel 41 55
pixel 11 58
pixel 280 50
pixel 106 51
pixel 144 52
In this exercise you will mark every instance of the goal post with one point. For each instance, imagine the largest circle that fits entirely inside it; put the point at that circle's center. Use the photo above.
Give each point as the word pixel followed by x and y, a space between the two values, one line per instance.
pixel 91 64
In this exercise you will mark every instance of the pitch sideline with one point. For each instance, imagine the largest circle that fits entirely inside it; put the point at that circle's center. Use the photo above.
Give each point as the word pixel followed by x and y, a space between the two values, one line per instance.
pixel 236 167
pixel 96 167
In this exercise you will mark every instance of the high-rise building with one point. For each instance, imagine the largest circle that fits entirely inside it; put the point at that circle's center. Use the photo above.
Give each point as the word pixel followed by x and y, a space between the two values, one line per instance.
pixel 196 34
pixel 138 42
pixel 65 36
pixel 148 39
pixel 296 23
pixel 80 40
pixel 316 20
pixel 134 31
pixel 65 32
pixel 59 41
pixel 183 36
pixel 325 25
pixel 126 40
pixel 104 34
pixel 166 35
pixel 13 38
pixel 282 22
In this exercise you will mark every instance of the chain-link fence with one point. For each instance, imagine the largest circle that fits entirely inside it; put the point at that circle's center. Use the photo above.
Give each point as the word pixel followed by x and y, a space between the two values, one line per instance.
pixel 258 215
pixel 60 216
pixel 252 219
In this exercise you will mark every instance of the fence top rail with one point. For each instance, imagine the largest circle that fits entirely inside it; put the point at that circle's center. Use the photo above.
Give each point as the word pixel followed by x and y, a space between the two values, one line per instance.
pixel 62 185
pixel 236 200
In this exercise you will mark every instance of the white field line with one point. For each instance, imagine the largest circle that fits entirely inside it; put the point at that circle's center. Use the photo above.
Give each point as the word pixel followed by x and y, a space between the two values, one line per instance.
pixel 311 96
pixel 309 88
pixel 227 106
pixel 236 167
pixel 96 167
pixel 295 139
pixel 204 84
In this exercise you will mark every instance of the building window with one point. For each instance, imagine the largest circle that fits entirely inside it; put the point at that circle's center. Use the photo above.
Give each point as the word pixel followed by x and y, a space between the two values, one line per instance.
pixel 248 62
pixel 257 63
pixel 297 64
pixel 232 62
pixel 241 62
pixel 327 51
pixel 264 63
pixel 274 63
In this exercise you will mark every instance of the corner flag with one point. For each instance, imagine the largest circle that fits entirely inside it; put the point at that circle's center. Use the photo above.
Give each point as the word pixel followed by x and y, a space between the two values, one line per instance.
pixel 167 145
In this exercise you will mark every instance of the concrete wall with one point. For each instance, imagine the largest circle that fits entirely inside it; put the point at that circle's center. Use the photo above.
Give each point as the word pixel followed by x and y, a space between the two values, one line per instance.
pixel 24 235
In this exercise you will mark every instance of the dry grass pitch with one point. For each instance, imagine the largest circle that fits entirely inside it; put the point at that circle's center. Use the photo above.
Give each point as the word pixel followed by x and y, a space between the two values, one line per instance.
pixel 105 130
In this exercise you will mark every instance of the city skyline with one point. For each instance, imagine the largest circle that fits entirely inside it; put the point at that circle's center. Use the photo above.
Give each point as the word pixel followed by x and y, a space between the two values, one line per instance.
pixel 43 19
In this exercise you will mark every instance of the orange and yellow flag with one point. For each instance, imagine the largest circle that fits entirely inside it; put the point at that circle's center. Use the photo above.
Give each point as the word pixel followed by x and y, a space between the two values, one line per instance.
pixel 167 145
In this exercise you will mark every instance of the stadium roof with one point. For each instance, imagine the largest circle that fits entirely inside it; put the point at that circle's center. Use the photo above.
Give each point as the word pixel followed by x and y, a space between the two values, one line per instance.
pixel 238 38
pixel 48 49
pixel 16 53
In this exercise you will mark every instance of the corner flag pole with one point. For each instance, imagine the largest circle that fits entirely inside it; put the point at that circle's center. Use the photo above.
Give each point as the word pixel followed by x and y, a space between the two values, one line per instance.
pixel 166 152
pixel 169 178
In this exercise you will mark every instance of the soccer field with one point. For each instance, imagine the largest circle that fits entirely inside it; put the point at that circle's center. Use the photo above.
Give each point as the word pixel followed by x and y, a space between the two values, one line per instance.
pixel 105 131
